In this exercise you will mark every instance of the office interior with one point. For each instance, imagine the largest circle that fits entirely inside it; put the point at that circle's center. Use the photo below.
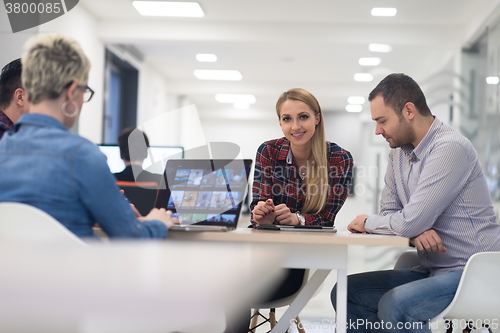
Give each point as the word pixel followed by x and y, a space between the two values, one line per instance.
pixel 450 47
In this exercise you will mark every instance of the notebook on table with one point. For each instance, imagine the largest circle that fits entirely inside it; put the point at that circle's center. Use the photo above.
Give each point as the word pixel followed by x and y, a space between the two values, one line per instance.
pixel 205 195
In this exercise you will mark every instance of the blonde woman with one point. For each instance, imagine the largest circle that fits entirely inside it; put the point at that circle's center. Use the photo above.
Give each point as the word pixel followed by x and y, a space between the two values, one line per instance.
pixel 45 165
pixel 300 178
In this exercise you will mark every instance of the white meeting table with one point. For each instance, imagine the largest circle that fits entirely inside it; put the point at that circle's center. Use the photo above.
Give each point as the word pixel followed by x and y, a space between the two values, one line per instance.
pixel 128 286
pixel 322 251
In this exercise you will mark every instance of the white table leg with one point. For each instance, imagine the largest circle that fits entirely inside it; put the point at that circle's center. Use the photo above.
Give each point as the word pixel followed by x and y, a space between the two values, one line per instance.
pixel 341 315
pixel 301 300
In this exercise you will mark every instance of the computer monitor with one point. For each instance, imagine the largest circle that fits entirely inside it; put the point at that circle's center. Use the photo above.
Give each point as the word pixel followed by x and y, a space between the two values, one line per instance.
pixel 154 163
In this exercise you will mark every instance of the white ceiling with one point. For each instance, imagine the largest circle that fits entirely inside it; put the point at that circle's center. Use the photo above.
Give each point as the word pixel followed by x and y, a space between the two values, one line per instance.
pixel 281 44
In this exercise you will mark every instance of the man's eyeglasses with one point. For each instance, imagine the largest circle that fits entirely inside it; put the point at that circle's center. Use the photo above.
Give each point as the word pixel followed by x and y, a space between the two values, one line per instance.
pixel 87 95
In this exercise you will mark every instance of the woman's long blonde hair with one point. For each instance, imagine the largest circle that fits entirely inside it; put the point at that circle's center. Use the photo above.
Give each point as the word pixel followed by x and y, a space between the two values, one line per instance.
pixel 317 170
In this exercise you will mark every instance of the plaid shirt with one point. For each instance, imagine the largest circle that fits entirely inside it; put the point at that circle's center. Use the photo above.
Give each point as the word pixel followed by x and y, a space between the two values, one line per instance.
pixel 5 123
pixel 277 179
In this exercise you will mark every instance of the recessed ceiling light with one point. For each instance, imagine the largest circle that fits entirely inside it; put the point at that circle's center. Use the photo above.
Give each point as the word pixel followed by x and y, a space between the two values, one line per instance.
pixel 168 8
pixel 241 106
pixel 235 98
pixel 206 57
pixel 218 74
pixel 363 77
pixel 383 48
pixel 354 108
pixel 356 100
pixel 384 11
pixel 492 80
pixel 374 61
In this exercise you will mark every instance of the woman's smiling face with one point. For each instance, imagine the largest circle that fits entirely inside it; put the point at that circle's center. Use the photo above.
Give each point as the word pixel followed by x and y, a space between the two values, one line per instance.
pixel 298 122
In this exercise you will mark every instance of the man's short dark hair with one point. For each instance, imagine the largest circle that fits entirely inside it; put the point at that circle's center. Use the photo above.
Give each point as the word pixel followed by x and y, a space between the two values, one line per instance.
pixel 139 152
pixel 10 80
pixel 398 89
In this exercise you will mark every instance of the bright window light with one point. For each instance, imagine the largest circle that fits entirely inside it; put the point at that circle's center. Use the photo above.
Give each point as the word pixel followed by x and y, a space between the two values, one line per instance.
pixel 384 11
pixel 383 48
pixel 492 80
pixel 354 108
pixel 164 8
pixel 218 74
pixel 356 100
pixel 206 57
pixel 235 98
pixel 241 106
pixel 369 61
pixel 363 77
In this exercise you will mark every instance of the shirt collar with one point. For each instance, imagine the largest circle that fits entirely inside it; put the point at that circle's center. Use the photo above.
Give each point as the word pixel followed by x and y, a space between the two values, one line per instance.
pixel 6 120
pixel 424 144
pixel 39 120
pixel 285 151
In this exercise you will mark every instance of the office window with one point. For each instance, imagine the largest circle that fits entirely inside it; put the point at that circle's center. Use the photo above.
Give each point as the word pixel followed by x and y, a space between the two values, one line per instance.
pixel 480 107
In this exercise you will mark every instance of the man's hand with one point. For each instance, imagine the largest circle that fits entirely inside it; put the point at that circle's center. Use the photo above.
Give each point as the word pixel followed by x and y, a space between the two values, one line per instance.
pixel 284 216
pixel 263 212
pixel 429 241
pixel 358 224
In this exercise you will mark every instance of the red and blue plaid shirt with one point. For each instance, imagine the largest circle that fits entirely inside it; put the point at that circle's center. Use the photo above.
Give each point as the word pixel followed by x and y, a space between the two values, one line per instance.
pixel 5 123
pixel 279 180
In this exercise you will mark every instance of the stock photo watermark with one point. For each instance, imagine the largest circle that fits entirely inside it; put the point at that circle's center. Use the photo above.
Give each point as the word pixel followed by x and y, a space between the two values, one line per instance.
pixel 363 324
pixel 278 176
pixel 26 14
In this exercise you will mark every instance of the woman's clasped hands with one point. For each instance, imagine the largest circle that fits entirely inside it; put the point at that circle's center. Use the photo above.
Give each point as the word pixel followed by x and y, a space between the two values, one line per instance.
pixel 265 212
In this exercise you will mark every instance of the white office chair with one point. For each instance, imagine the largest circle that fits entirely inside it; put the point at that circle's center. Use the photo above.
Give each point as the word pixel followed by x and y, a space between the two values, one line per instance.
pixel 278 304
pixel 22 222
pixel 407 259
pixel 477 299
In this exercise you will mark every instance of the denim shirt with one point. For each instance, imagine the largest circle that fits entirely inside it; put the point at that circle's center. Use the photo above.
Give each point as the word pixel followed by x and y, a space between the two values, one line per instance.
pixel 44 165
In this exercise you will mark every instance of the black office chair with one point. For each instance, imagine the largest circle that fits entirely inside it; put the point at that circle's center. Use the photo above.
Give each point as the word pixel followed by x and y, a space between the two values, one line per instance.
pixel 141 194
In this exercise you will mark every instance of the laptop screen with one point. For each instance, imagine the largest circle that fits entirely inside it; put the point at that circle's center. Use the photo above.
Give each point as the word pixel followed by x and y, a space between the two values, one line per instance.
pixel 208 192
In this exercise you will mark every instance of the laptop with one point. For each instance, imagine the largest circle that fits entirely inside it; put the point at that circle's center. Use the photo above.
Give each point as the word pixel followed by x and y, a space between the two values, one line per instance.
pixel 205 194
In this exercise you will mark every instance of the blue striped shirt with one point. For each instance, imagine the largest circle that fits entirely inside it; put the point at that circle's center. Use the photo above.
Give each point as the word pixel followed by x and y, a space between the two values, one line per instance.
pixel 438 185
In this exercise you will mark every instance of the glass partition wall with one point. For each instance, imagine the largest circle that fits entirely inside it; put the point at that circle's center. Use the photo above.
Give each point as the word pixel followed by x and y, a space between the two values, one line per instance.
pixel 480 105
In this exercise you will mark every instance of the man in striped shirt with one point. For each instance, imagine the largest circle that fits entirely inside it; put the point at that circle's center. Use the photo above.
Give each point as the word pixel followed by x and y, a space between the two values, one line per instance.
pixel 435 194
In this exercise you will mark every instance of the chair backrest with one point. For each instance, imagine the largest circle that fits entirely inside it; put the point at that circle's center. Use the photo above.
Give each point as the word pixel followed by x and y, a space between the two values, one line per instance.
pixel 22 222
pixel 478 294
pixel 141 194
pixel 278 303
pixel 407 259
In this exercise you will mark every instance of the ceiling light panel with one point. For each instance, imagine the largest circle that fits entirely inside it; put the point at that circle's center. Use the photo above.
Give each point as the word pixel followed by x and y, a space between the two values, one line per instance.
pixel 363 77
pixel 492 80
pixel 354 108
pixel 206 57
pixel 218 74
pixel 235 98
pixel 356 100
pixel 168 8
pixel 383 48
pixel 384 11
pixel 373 61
